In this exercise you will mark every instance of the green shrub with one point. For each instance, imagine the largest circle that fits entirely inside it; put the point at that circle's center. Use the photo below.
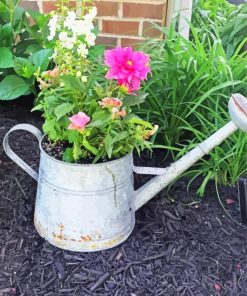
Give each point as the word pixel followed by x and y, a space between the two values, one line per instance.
pixel 21 49
pixel 189 91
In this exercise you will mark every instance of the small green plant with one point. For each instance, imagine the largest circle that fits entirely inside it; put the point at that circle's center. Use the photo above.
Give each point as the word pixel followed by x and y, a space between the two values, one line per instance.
pixel 21 49
pixel 89 110
pixel 189 90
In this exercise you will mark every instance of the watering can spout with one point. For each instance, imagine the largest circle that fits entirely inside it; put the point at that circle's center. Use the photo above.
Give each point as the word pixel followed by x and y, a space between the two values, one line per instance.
pixel 238 112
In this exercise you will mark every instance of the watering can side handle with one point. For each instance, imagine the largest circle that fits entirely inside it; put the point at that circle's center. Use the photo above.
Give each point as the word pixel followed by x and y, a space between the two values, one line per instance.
pixel 149 170
pixel 12 155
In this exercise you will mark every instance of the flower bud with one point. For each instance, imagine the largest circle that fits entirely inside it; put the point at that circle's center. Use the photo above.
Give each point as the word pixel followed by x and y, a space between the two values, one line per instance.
pixel 84 79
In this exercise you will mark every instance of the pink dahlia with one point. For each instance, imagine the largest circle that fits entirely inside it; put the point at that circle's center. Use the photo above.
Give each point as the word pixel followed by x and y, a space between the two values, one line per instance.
pixel 129 86
pixel 78 121
pixel 128 67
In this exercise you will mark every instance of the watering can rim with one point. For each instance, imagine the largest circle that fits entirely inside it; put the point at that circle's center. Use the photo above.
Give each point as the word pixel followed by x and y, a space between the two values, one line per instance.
pixel 80 164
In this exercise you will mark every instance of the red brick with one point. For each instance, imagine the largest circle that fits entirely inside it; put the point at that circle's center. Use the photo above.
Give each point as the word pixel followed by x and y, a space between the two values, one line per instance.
pixel 149 30
pixel 120 27
pixel 29 5
pixel 131 42
pixel 48 6
pixel 153 11
pixel 107 8
pixel 109 42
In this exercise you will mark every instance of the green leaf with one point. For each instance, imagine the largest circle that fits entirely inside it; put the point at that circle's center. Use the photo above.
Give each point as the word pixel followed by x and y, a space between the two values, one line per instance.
pixel 68 155
pixel 72 136
pixel 4 10
pixel 120 136
pixel 89 147
pixel 63 109
pixel 18 16
pixel 49 128
pixel 6 30
pixel 100 91
pixel 12 87
pixel 100 118
pixel 24 68
pixel 76 151
pixel 39 18
pixel 210 91
pixel 6 35
pixel 71 81
pixel 6 60
pixel 136 120
pixel 41 58
pixel 134 99
pixel 96 51
pixel 39 107
pixel 108 145
pixel 32 48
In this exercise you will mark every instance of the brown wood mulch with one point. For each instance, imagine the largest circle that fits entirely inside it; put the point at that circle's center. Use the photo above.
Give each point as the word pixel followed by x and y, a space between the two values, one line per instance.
pixel 181 245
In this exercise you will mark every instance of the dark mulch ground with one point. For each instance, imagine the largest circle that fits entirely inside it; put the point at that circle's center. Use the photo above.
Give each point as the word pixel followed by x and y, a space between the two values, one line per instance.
pixel 175 248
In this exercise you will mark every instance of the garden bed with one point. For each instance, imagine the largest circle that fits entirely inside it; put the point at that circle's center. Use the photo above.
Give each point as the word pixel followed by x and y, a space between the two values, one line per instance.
pixel 181 245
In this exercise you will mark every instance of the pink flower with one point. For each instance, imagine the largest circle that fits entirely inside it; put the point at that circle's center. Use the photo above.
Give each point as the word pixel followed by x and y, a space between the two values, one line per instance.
pixel 150 133
pixel 110 103
pixel 129 87
pixel 51 73
pixel 127 66
pixel 116 113
pixel 78 121
pixel 122 113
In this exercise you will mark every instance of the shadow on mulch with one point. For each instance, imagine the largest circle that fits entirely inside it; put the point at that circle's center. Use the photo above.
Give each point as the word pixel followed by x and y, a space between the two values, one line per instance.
pixel 180 246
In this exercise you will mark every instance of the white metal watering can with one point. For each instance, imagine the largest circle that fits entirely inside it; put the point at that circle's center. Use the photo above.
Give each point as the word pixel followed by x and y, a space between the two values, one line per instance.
pixel 92 207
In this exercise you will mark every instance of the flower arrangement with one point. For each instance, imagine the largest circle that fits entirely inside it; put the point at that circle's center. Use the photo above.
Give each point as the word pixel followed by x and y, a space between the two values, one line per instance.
pixel 87 106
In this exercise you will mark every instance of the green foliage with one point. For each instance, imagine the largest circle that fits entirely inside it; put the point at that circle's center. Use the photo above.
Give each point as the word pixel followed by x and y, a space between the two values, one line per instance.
pixel 220 17
pixel 216 10
pixel 7 59
pixel 21 49
pixel 106 136
pixel 234 30
pixel 13 86
pixel 189 90
pixel 80 106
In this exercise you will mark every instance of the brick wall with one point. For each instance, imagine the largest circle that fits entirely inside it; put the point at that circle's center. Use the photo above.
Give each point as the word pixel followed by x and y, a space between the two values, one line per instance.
pixel 120 22
pixel 127 22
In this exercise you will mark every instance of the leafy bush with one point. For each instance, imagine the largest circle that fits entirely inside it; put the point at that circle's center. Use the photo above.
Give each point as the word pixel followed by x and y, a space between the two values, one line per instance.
pixel 189 91
pixel 21 49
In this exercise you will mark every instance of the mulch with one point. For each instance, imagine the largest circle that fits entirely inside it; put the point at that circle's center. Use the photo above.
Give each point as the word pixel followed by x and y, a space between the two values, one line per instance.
pixel 181 244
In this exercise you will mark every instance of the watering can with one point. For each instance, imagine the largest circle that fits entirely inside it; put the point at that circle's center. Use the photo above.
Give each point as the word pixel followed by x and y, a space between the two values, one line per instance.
pixel 91 207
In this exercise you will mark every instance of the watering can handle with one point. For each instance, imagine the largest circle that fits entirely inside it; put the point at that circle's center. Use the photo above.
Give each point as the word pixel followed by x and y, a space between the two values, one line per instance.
pixel 12 155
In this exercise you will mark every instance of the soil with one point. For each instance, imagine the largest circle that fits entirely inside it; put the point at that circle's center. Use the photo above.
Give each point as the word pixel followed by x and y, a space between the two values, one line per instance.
pixel 56 150
pixel 181 245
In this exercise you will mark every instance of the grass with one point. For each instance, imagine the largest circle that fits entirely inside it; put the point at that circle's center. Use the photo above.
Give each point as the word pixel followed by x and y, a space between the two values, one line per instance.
pixel 191 83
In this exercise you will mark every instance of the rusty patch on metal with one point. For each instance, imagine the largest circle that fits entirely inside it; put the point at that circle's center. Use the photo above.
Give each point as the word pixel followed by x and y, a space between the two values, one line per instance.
pixel 86 238
pixel 60 235
pixel 85 242
pixel 61 226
